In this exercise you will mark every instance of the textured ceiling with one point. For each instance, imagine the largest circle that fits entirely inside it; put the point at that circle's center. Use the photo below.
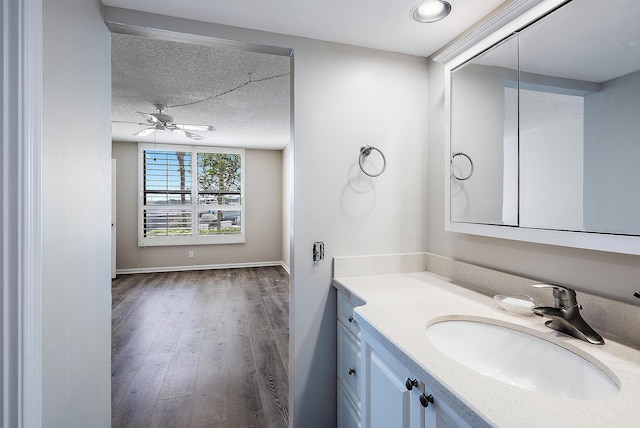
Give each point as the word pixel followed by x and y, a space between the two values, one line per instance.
pixel 379 24
pixel 146 71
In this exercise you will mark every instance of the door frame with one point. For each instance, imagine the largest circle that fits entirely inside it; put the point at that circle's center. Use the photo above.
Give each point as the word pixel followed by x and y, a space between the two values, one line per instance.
pixel 21 119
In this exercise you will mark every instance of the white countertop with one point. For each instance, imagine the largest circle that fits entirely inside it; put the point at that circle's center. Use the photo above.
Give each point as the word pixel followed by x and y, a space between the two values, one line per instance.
pixel 400 306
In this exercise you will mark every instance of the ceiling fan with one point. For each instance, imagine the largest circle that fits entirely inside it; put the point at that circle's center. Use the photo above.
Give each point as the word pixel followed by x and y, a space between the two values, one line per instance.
pixel 161 121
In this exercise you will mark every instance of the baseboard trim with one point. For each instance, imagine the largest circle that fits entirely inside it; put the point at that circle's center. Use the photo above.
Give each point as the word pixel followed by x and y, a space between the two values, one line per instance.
pixel 199 267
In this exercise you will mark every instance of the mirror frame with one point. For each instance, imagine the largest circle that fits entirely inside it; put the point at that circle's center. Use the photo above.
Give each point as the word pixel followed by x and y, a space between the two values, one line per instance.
pixel 461 53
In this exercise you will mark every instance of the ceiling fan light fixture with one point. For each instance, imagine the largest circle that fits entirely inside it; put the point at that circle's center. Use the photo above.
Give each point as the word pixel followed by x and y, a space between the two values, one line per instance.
pixel 161 122
pixel 431 11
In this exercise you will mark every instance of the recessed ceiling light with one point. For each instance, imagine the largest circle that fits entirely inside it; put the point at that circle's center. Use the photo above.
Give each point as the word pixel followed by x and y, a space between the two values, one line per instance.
pixel 431 10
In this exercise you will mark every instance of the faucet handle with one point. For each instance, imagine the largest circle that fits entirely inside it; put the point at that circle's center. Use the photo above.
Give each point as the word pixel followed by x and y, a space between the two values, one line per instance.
pixel 545 285
pixel 564 296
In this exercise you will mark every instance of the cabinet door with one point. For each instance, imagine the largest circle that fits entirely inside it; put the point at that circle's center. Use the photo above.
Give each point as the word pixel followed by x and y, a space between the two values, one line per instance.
pixel 348 415
pixel 439 415
pixel 389 400
pixel 386 400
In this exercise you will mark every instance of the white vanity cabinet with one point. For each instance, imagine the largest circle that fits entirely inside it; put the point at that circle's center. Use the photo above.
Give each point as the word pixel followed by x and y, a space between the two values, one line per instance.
pixel 392 396
pixel 348 364
pixel 373 386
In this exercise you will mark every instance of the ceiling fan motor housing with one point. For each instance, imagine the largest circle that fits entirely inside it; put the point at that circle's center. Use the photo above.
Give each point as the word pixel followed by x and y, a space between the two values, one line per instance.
pixel 162 118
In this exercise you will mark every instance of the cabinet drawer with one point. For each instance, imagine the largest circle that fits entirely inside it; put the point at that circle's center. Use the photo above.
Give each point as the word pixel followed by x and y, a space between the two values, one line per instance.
pixel 345 314
pixel 349 362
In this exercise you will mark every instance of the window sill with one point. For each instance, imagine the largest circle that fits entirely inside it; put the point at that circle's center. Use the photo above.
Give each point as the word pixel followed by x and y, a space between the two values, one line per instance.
pixel 203 240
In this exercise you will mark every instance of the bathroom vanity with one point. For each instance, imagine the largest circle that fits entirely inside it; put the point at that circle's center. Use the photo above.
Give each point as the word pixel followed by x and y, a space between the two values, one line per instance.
pixel 391 374
pixel 375 389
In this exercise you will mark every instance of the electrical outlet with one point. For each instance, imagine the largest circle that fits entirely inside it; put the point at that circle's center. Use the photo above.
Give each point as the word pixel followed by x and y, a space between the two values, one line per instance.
pixel 318 251
pixel 190 254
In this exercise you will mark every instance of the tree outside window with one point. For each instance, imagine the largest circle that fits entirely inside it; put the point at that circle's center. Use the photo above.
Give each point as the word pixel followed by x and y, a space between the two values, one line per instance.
pixel 220 184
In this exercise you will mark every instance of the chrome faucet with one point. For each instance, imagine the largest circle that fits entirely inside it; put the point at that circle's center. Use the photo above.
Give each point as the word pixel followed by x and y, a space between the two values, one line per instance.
pixel 565 315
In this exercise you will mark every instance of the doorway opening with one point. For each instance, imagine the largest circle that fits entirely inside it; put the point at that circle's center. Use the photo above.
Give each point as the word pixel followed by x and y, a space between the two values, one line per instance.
pixel 183 315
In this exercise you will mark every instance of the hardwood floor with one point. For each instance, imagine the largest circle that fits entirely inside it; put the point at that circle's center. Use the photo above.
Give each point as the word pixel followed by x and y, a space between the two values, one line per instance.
pixel 201 349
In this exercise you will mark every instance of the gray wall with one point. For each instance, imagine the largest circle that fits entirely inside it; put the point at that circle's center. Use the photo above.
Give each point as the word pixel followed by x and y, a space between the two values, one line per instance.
pixel 605 274
pixel 76 177
pixel 263 217
pixel 612 152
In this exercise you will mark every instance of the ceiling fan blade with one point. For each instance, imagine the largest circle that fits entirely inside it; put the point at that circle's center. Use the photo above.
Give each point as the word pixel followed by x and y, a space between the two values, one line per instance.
pixel 145 132
pixel 164 122
pixel 150 118
pixel 129 123
pixel 189 134
pixel 188 127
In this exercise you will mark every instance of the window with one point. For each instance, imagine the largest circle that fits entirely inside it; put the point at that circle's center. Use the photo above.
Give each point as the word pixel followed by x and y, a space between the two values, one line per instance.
pixel 190 195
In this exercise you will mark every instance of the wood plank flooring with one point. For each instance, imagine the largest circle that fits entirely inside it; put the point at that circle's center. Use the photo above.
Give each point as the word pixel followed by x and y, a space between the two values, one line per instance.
pixel 201 349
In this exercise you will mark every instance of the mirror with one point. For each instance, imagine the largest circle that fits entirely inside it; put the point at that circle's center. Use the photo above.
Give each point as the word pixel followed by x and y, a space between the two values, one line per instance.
pixel 546 124
pixel 481 122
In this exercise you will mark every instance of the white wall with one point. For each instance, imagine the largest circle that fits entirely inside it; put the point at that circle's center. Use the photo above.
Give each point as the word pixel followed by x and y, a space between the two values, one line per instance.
pixel 76 292
pixel 263 218
pixel 605 274
pixel 346 97
pixel 343 97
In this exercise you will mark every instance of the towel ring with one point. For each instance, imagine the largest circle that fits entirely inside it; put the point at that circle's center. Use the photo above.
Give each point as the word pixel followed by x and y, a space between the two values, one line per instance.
pixel 470 163
pixel 366 151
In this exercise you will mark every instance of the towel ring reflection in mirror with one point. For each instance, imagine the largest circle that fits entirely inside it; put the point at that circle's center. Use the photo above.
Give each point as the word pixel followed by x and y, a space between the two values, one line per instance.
pixel 366 151
pixel 453 174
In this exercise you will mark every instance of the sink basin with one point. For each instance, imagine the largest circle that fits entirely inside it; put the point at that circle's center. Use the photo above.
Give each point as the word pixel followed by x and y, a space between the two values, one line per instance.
pixel 520 359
